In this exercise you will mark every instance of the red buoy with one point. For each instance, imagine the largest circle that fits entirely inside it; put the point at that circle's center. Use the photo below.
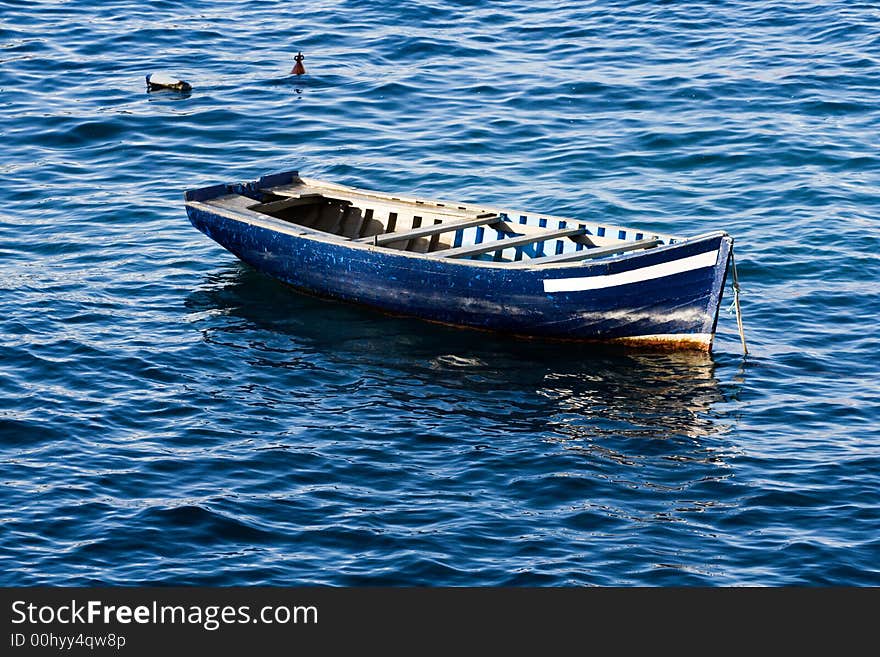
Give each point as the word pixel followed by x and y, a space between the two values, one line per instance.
pixel 298 68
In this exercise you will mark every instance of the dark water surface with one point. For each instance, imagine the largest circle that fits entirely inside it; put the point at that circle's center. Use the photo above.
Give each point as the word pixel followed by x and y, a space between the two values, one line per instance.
pixel 168 415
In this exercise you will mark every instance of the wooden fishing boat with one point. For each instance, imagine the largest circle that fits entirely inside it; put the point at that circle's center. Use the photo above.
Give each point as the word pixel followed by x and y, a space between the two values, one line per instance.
pixel 527 274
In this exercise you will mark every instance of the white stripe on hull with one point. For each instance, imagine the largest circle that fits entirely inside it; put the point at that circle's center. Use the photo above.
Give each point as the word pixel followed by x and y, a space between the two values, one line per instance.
pixel 707 259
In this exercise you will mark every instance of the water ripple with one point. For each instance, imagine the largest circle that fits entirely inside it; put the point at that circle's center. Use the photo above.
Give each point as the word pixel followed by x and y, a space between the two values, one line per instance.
pixel 168 415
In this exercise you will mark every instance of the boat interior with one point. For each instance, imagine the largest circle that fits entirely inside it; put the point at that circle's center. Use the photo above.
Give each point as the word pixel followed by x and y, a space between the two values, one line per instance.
pixel 437 229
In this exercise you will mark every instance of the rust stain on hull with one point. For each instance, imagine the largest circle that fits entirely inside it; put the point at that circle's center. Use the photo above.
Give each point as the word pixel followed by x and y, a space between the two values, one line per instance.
pixel 670 343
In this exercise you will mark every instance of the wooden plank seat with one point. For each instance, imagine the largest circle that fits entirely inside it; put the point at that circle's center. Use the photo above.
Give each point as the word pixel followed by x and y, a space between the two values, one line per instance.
pixel 429 231
pixel 235 202
pixel 239 206
pixel 587 254
pixel 290 202
pixel 370 199
pixel 500 245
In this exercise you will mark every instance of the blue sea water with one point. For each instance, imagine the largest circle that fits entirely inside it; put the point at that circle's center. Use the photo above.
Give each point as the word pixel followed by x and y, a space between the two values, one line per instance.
pixel 170 416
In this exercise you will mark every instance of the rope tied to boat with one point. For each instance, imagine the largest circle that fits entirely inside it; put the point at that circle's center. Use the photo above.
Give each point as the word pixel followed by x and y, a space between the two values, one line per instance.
pixel 736 305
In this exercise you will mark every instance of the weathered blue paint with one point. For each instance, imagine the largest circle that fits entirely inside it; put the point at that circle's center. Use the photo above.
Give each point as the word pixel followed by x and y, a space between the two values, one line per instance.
pixel 482 294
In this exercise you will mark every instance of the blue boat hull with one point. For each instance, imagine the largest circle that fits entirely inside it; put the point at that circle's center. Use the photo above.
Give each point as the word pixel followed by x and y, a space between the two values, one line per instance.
pixel 664 297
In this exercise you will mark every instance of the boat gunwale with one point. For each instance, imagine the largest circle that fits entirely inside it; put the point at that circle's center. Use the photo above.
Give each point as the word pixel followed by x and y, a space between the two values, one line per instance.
pixel 210 199
pixel 295 230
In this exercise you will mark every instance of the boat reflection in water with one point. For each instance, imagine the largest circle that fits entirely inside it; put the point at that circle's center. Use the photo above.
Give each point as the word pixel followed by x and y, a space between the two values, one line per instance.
pixel 540 448
pixel 635 396
pixel 575 395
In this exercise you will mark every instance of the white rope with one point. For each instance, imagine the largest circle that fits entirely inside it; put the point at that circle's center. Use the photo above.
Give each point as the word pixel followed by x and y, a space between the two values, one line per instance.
pixel 739 319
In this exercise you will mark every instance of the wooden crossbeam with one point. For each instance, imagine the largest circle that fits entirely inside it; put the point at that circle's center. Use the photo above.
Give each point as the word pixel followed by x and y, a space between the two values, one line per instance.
pixel 293 193
pixel 368 199
pixel 587 254
pixel 429 231
pixel 282 204
pixel 500 245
